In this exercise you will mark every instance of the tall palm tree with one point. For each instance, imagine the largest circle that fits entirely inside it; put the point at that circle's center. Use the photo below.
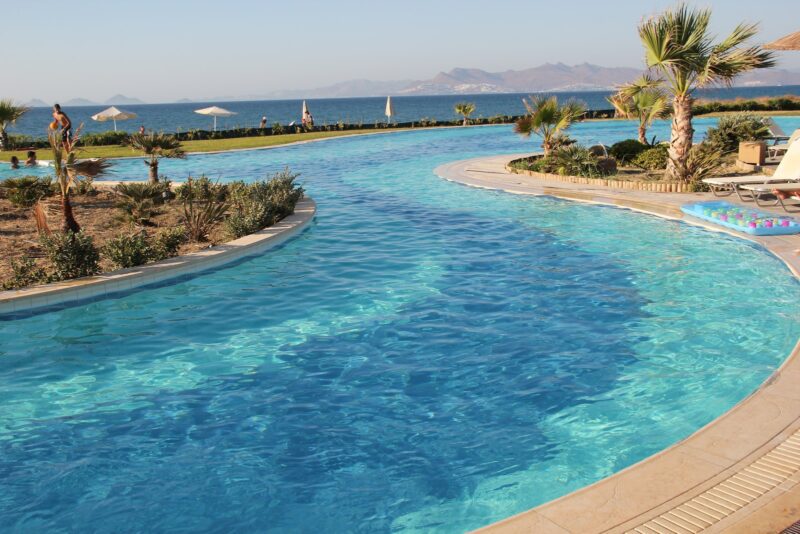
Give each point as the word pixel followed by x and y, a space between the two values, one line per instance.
pixel 679 46
pixel 9 114
pixel 547 119
pixel 156 146
pixel 465 109
pixel 643 100
pixel 68 169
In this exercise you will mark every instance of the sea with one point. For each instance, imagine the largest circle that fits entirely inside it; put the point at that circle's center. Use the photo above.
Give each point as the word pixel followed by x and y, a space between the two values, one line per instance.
pixel 180 117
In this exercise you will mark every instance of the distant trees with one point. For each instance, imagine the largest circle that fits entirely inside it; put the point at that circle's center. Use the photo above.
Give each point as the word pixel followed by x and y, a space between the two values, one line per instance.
pixel 465 109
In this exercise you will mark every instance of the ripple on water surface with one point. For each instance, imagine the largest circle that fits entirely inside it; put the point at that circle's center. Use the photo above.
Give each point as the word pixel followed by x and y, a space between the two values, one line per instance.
pixel 425 357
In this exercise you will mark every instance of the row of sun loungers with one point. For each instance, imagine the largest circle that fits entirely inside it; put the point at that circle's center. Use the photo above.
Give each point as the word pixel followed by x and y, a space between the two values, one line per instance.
pixel 784 185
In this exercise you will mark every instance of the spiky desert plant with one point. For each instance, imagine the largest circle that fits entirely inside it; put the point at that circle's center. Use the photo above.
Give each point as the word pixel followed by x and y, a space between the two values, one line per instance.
pixel 644 100
pixel 465 109
pixel 547 119
pixel 156 146
pixel 9 114
pixel 679 46
pixel 68 169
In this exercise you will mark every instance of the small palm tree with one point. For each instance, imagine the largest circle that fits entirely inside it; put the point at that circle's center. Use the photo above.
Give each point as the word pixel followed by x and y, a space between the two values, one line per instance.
pixel 465 109
pixel 156 146
pixel 680 47
pixel 68 170
pixel 9 114
pixel 547 119
pixel 643 100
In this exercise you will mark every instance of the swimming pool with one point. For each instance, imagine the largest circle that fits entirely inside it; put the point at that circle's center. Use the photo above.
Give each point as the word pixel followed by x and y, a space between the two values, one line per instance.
pixel 426 357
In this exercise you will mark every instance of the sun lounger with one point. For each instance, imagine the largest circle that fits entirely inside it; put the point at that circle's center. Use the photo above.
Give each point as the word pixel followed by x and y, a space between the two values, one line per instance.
pixel 781 192
pixel 788 171
pixel 775 131
pixel 776 149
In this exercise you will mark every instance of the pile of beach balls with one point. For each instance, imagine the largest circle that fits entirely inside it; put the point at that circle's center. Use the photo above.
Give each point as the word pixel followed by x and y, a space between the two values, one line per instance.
pixel 745 218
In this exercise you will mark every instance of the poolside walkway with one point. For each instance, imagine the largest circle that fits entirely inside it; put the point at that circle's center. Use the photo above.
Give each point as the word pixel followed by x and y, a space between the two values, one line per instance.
pixel 740 473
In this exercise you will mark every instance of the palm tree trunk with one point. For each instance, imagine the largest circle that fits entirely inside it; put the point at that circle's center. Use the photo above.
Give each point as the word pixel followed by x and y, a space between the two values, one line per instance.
pixel 465 121
pixel 642 134
pixel 70 224
pixel 153 171
pixel 681 138
pixel 4 139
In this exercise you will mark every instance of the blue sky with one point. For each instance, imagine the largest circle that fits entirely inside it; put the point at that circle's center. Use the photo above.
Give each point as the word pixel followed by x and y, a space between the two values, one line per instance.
pixel 169 49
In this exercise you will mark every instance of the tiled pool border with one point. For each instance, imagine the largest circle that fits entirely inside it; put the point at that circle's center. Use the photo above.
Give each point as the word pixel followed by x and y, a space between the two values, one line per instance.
pixel 695 474
pixel 27 300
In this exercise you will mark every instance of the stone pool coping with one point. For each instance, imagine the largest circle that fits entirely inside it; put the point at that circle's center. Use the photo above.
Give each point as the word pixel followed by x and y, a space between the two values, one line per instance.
pixel 739 473
pixel 71 291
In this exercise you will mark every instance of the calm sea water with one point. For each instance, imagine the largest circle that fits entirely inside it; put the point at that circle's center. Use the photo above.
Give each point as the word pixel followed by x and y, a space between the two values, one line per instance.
pixel 181 117
pixel 426 357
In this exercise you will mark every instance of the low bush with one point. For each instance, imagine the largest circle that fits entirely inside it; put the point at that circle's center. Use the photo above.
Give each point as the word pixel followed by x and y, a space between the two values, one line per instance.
pixel 734 129
pixel 139 201
pixel 202 189
pixel 202 211
pixel 105 138
pixel 781 103
pixel 24 273
pixel 128 250
pixel 27 190
pixel 652 159
pixel 262 203
pixel 571 161
pixel 704 160
pixel 71 255
pixel 625 151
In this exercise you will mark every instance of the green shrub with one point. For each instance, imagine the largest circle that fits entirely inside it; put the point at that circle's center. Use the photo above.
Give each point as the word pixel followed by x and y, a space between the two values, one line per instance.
pixel 167 242
pixel 140 200
pixel 262 203
pixel 575 161
pixel 27 190
pixel 652 159
pixel 625 151
pixel 24 273
pixel 704 160
pixel 129 250
pixel 71 255
pixel 104 139
pixel 202 210
pixel 202 189
pixel 732 130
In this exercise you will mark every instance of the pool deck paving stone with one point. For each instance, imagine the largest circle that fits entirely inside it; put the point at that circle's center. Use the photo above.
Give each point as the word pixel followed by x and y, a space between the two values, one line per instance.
pixel 740 473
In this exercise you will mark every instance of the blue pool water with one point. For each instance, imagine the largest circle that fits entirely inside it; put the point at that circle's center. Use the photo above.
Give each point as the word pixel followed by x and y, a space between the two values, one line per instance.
pixel 425 357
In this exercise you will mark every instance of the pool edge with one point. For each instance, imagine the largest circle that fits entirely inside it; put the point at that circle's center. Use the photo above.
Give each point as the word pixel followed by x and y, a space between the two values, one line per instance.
pixel 650 491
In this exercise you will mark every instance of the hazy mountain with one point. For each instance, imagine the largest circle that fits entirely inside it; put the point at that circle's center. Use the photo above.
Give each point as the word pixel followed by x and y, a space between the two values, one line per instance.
pixel 36 103
pixel 184 101
pixel 78 102
pixel 122 100
pixel 769 77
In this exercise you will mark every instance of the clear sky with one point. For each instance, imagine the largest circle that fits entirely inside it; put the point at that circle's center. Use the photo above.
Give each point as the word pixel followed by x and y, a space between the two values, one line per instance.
pixel 162 50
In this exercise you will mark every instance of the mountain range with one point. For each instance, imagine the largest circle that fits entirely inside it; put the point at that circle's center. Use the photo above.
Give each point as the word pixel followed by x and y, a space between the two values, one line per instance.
pixel 116 100
pixel 544 78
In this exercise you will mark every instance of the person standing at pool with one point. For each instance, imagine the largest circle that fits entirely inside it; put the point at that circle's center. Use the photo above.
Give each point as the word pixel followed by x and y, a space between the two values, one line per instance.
pixel 263 122
pixel 66 126
pixel 141 129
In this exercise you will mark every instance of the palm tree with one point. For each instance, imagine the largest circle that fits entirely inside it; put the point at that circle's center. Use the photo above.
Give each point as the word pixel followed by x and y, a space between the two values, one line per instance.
pixel 643 100
pixel 9 114
pixel 156 146
pixel 68 170
pixel 679 46
pixel 465 109
pixel 547 119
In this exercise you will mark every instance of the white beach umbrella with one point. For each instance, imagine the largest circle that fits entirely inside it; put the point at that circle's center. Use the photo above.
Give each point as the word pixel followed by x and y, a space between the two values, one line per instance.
pixel 113 114
pixel 389 109
pixel 215 112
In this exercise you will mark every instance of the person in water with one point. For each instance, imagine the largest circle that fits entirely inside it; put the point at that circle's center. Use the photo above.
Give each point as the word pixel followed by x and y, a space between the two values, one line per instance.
pixel 14 162
pixel 31 161
pixel 66 126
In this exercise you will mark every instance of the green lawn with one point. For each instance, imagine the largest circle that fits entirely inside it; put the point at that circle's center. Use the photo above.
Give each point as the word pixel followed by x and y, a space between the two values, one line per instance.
pixel 211 145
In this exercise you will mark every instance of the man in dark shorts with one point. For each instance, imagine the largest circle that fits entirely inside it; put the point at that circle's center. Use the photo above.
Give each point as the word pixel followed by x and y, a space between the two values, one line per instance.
pixel 66 126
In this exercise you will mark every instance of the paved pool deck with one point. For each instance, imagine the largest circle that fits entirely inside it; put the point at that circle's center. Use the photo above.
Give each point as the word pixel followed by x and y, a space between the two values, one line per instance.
pixel 740 473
